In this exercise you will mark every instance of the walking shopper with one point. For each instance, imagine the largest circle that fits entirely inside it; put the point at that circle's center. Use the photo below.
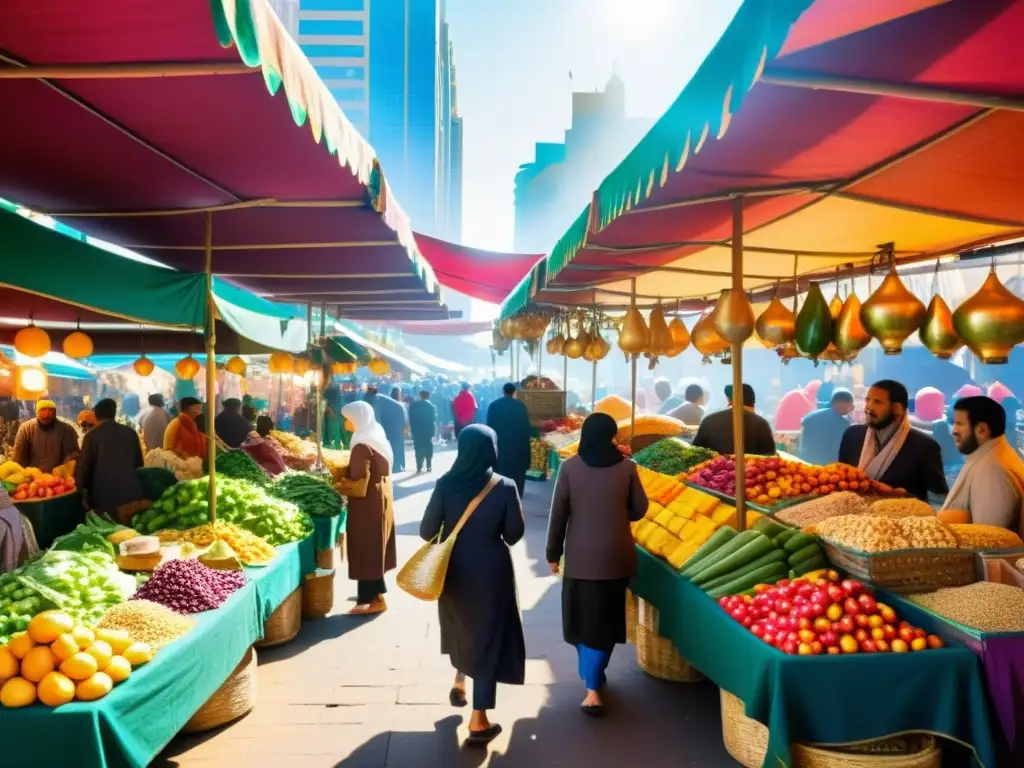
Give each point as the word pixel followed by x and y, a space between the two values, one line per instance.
pixel 597 495
pixel 481 628
pixel 510 420
pixel 370 539
pixel 463 409
pixel 422 424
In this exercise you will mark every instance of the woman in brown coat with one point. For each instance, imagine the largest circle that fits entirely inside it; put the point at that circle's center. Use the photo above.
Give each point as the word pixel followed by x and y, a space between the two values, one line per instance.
pixel 597 495
pixel 370 538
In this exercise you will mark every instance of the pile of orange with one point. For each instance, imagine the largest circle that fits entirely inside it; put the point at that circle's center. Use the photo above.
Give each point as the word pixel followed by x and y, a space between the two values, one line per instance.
pixel 772 480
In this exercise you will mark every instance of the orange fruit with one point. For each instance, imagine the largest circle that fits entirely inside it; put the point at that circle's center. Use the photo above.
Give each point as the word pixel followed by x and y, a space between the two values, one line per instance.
pixel 8 664
pixel 20 644
pixel 56 689
pixel 84 637
pixel 138 654
pixel 102 652
pixel 117 639
pixel 118 669
pixel 49 625
pixel 94 687
pixel 64 646
pixel 37 664
pixel 17 692
pixel 80 666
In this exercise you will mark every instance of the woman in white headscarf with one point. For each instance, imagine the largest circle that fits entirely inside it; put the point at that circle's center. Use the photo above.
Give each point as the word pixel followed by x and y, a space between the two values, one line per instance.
pixel 370 538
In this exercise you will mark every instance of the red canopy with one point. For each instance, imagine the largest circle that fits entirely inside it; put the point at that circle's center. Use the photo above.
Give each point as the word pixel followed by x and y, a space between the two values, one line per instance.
pixel 485 275
pixel 875 122
pixel 138 121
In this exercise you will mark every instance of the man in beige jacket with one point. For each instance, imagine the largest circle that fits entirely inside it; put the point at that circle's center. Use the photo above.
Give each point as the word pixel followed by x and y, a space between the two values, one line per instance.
pixel 991 484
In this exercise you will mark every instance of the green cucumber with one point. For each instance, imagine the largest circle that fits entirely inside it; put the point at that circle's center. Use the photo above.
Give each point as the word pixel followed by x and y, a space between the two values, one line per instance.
pixel 807 553
pixel 724 550
pixel 767 574
pixel 720 537
pixel 772 556
pixel 785 536
pixel 799 541
pixel 768 527
pixel 813 564
pixel 745 555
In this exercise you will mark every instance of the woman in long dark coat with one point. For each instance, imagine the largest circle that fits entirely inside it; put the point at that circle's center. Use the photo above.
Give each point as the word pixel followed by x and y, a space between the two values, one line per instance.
pixel 481 627
pixel 370 537
pixel 597 495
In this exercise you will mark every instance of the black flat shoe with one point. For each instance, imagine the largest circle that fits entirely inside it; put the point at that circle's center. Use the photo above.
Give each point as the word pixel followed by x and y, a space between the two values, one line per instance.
pixel 486 736
pixel 592 710
pixel 457 697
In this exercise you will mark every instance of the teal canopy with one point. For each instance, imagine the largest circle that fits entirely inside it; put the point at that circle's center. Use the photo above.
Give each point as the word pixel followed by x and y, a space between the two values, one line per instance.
pixel 55 364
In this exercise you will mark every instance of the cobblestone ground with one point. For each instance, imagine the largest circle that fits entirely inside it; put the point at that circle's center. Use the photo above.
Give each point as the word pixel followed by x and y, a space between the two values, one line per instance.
pixel 373 692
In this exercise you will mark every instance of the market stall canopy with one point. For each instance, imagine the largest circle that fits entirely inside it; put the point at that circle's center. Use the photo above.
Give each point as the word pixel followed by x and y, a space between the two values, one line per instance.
pixel 346 334
pixel 839 126
pixel 56 278
pixel 442 327
pixel 484 275
pixel 149 125
pixel 54 363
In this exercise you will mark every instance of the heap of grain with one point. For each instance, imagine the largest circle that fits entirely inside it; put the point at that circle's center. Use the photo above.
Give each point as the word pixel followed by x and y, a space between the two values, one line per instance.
pixel 987 606
pixel 147 622
pixel 822 508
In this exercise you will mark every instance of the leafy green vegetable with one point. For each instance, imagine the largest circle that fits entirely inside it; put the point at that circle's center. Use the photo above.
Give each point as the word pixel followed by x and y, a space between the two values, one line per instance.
pixel 241 466
pixel 313 494
pixel 672 457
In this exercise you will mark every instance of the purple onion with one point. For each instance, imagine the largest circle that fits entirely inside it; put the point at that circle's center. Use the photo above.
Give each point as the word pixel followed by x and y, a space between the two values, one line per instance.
pixel 188 586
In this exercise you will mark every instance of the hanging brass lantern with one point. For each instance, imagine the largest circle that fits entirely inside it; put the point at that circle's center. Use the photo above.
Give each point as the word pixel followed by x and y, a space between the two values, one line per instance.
pixel 892 313
pixel 573 348
pixel 598 348
pixel 556 344
pixel 777 324
pixel 186 368
pixel 705 338
pixel 634 336
pixel 991 322
pixel 937 332
pixel 733 316
pixel 505 327
pixel 532 327
pixel 77 345
pixel 143 366
pixel 813 324
pixel 281 362
pixel 835 306
pixel 680 337
pixel 660 336
pixel 849 334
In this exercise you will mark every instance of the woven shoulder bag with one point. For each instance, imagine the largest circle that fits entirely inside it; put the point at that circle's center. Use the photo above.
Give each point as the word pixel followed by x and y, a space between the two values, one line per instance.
pixel 423 576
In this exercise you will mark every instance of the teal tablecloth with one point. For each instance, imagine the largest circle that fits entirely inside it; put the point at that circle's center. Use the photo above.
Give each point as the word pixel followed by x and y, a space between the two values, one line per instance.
pixel 821 699
pixel 327 529
pixel 130 726
pixel 53 518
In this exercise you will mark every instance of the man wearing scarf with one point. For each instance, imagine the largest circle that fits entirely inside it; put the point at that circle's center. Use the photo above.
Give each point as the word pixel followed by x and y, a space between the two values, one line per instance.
pixel 183 435
pixel 887 449
pixel 45 442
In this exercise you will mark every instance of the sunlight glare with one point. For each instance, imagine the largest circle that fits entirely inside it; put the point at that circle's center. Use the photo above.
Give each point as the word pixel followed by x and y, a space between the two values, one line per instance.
pixel 636 17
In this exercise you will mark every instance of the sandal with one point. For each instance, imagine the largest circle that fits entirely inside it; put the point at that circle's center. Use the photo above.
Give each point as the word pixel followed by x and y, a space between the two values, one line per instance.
pixel 368 609
pixel 457 697
pixel 486 736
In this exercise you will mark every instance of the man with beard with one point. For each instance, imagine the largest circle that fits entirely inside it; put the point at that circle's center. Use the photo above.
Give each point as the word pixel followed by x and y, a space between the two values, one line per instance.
pixel 45 442
pixel 990 487
pixel 887 449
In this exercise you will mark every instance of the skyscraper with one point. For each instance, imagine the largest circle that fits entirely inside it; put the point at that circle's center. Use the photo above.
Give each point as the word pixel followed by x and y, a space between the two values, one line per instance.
pixel 389 65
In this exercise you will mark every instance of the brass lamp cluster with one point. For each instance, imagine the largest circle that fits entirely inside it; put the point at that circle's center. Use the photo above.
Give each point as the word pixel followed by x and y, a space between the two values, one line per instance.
pixel 654 339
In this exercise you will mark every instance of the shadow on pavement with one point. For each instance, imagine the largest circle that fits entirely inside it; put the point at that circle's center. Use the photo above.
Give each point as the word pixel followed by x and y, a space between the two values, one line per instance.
pixel 415 749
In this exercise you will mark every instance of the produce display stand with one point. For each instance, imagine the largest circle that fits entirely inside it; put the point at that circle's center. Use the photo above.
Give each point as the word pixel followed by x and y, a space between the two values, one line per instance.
pixel 821 699
pixel 326 530
pixel 53 517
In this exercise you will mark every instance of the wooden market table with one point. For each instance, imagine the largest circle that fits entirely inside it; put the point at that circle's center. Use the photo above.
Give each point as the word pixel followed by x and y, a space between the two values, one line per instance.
pixel 53 517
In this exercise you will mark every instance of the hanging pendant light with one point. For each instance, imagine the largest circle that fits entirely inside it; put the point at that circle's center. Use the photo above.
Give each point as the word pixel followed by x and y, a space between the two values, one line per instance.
pixel 77 345
pixel 813 324
pixel 848 333
pixel 32 341
pixel 733 316
pixel 705 338
pixel 379 366
pixel 937 332
pixel 281 362
pixel 235 365
pixel 991 322
pixel 187 368
pixel 660 337
pixel 634 335
pixel 892 312
pixel 143 366
pixel 777 324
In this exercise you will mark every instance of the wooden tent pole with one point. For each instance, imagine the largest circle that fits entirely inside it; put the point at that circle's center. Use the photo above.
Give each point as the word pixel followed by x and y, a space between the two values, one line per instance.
pixel 593 373
pixel 211 371
pixel 320 397
pixel 632 391
pixel 737 369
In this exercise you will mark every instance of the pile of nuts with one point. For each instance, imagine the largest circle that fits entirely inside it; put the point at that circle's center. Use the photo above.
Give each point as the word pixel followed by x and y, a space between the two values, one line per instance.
pixel 871 533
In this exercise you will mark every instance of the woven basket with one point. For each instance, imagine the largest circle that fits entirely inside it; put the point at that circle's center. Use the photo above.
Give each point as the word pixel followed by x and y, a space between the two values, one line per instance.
pixel 284 623
pixel 908 570
pixel 747 741
pixel 325 559
pixel 656 655
pixel 318 594
pixel 233 699
pixel 341 547
pixel 631 616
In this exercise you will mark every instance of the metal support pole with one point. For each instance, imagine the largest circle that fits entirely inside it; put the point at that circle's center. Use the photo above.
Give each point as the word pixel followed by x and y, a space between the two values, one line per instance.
pixel 737 369
pixel 211 370
pixel 632 390
pixel 593 373
pixel 540 355
pixel 512 361
pixel 565 376
pixel 320 397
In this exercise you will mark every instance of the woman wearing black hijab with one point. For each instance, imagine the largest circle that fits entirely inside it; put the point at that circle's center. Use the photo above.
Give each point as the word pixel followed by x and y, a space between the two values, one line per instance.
pixel 597 495
pixel 481 629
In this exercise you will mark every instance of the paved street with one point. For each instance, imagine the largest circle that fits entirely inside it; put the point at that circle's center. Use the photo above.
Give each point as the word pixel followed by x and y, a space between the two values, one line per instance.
pixel 373 693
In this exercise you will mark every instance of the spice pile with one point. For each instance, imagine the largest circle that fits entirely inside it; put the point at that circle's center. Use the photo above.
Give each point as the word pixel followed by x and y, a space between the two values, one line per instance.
pixel 823 508
pixel 987 606
pixel 147 622
pixel 672 457
pixel 978 536
pixel 871 533
pixel 188 586
pixel 908 507
pixel 249 547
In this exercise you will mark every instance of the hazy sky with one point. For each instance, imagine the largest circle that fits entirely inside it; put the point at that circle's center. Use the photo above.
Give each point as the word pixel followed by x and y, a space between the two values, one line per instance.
pixel 513 59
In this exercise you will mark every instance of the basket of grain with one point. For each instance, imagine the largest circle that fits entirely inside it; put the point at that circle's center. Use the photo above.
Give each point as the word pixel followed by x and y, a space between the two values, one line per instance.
pixel 747 741
pixel 235 698
pixel 284 623
pixel 972 614
pixel 318 593
pixel 657 655
pixel 901 554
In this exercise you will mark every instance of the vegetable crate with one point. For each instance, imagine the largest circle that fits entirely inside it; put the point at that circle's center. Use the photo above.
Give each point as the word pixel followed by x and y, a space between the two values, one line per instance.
pixel 907 570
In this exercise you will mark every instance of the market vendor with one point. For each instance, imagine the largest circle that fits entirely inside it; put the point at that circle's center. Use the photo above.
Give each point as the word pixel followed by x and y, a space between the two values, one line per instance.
pixel 86 420
pixel 232 427
pixel 715 431
pixel 45 442
pixel 182 435
pixel 990 487
pixel 888 450
pixel 111 453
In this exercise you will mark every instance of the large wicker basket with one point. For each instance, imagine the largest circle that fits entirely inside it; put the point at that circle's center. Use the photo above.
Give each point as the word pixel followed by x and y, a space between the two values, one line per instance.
pixel 657 655
pixel 747 741
pixel 317 594
pixel 233 699
pixel 284 623
pixel 325 558
pixel 631 616
pixel 907 570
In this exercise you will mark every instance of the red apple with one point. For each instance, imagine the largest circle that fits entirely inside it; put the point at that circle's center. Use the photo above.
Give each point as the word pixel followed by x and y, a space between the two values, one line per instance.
pixel 836 593
pixel 789 647
pixel 868 646
pixel 861 635
pixel 906 633
pixel 847 624
pixel 851 607
pixel 829 638
pixel 851 588
pixel 918 632
pixel 868 604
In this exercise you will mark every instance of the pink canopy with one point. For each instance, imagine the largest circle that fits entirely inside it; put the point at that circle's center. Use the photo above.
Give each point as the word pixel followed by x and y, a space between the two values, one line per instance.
pixel 485 275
